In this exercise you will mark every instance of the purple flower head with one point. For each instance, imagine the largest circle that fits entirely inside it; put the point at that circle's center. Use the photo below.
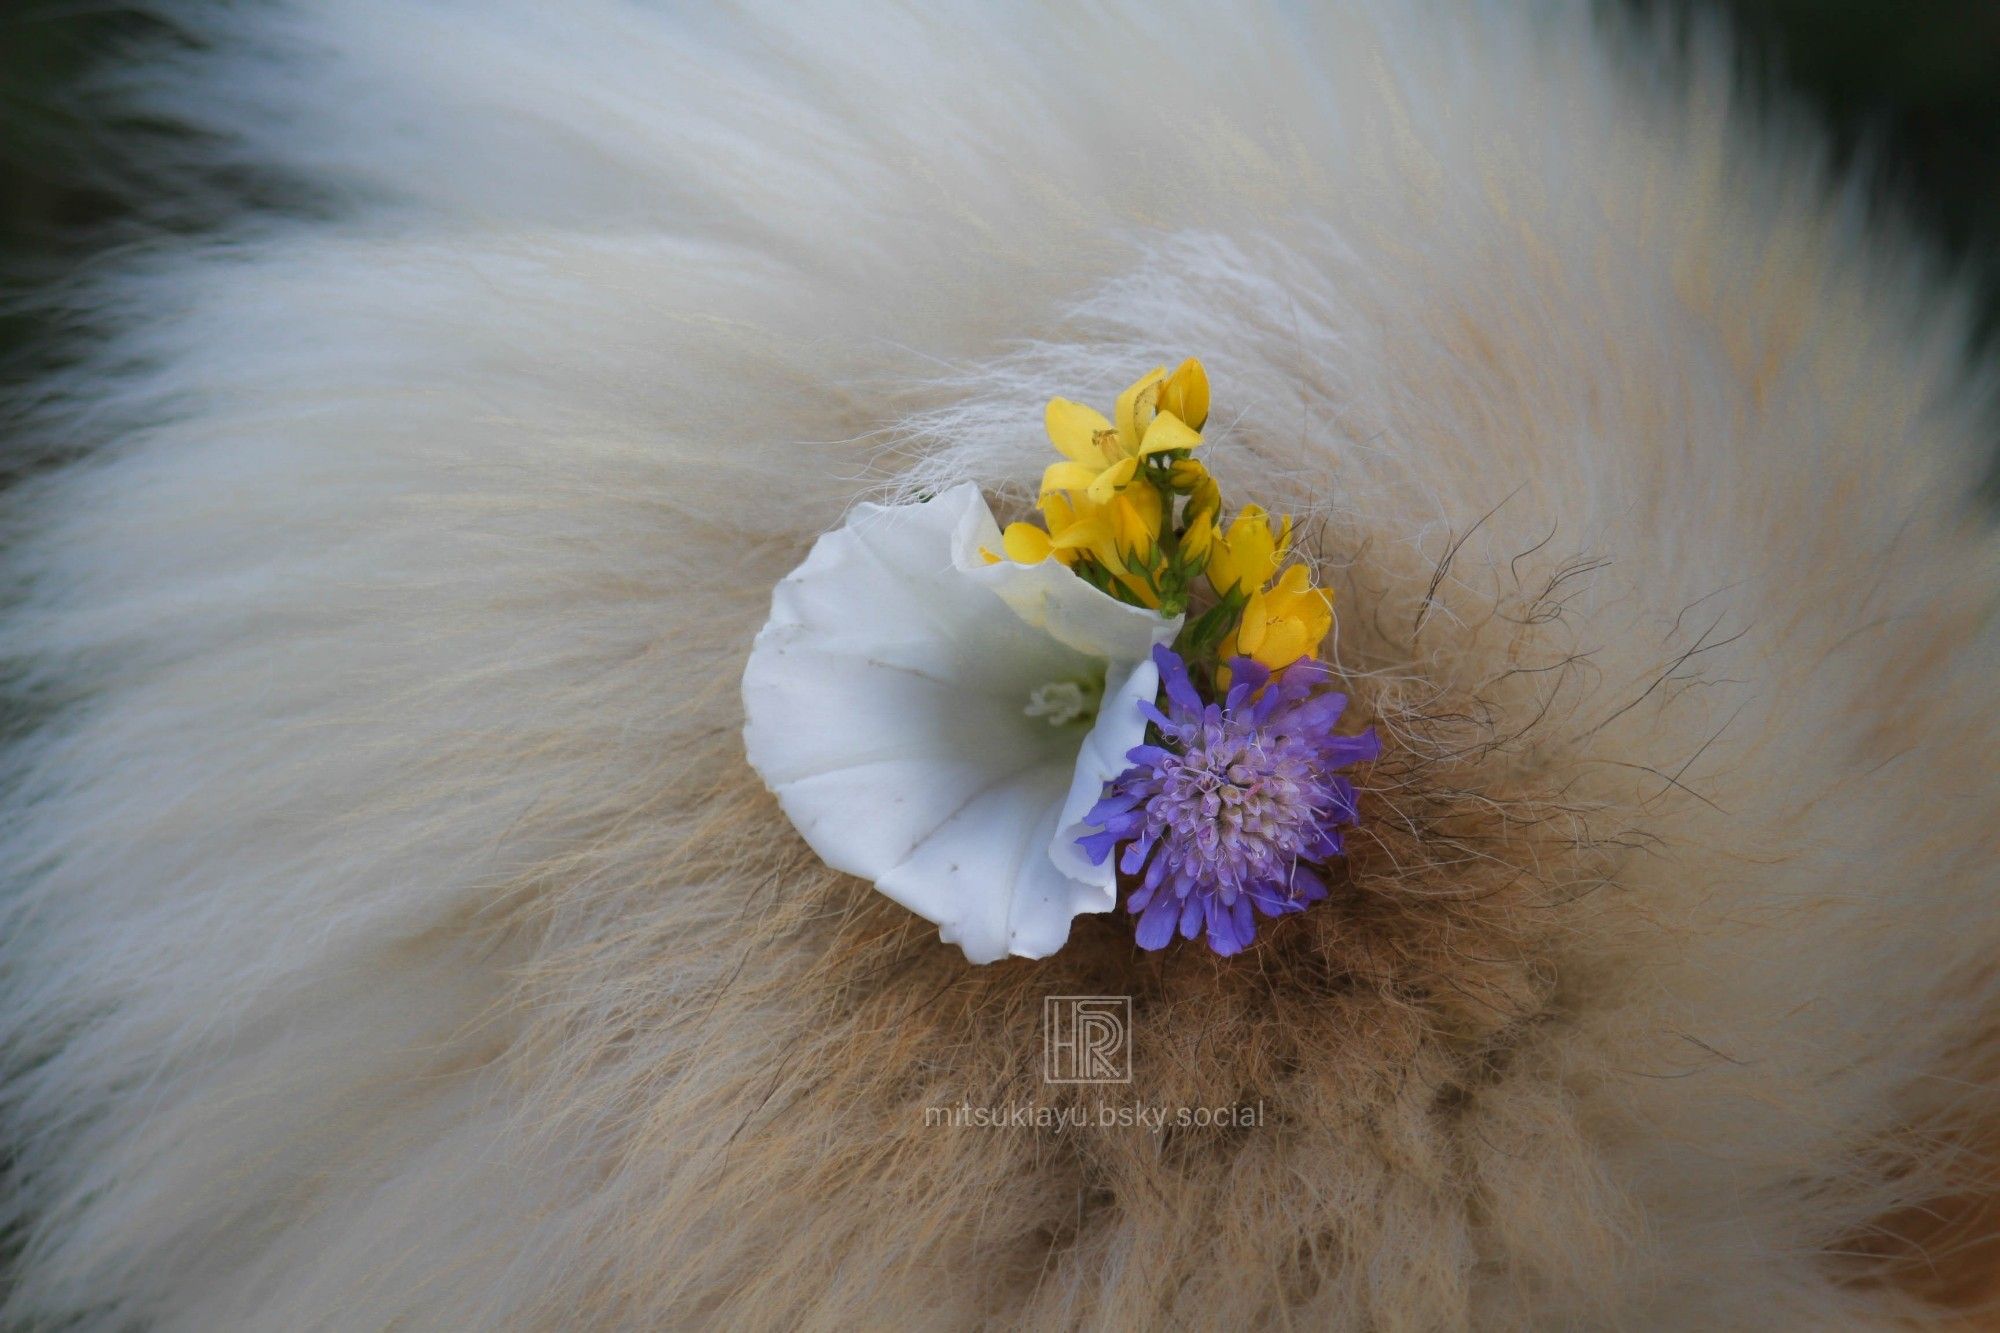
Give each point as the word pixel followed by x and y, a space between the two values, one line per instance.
pixel 1235 808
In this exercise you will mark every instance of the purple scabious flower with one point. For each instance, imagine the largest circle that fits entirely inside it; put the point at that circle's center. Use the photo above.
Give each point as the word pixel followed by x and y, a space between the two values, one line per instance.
pixel 1235 808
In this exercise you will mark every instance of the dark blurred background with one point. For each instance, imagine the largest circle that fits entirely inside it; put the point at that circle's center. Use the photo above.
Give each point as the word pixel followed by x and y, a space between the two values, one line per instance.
pixel 51 210
pixel 1913 86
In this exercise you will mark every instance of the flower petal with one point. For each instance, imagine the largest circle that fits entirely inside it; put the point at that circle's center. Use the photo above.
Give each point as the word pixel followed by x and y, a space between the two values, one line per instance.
pixel 1251 628
pixel 1025 544
pixel 1068 477
pixel 1185 393
pixel 1073 430
pixel 1050 598
pixel 1120 727
pixel 983 877
pixel 1106 483
pixel 1168 432
pixel 884 707
pixel 1180 690
pixel 1156 924
pixel 1136 407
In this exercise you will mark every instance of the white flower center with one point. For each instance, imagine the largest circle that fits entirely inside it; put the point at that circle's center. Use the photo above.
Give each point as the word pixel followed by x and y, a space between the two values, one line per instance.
pixel 1061 702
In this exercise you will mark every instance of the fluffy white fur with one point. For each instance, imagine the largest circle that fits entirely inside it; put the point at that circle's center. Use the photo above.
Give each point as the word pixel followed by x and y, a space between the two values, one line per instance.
pixel 394 937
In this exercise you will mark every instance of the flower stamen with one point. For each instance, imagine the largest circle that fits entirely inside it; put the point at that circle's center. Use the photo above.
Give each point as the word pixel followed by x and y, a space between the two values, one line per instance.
pixel 1061 702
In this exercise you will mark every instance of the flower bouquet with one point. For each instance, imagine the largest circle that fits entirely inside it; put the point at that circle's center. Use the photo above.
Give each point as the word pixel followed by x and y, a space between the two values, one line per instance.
pixel 999 729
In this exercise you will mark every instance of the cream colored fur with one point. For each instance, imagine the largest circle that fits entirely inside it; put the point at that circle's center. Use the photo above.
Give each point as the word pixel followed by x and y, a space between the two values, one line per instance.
pixel 395 936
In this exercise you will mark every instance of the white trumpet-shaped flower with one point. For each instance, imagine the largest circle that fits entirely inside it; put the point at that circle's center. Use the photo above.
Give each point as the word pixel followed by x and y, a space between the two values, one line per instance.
pixel 939 724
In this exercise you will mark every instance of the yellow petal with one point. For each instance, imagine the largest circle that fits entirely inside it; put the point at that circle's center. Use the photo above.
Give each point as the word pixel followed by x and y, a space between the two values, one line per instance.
pixel 1296 618
pixel 1061 509
pixel 1250 629
pixel 1166 432
pixel 1067 477
pixel 1026 544
pixel 1191 479
pixel 1248 553
pixel 1077 526
pixel 1285 643
pixel 1136 408
pixel 1206 500
pixel 1084 534
pixel 1104 545
pixel 1296 582
pixel 1186 393
pixel 1148 506
pixel 1107 483
pixel 1134 529
pixel 1073 429
pixel 1199 538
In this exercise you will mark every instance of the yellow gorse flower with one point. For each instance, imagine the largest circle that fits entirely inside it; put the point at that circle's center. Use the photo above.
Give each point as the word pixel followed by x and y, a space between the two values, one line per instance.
pixel 1185 394
pixel 1103 456
pixel 1282 623
pixel 1109 514
pixel 1077 527
pixel 1109 506
pixel 1068 537
pixel 1247 556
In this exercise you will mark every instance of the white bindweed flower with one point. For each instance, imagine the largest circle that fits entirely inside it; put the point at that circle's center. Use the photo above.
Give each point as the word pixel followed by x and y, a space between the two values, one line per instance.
pixel 939 724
